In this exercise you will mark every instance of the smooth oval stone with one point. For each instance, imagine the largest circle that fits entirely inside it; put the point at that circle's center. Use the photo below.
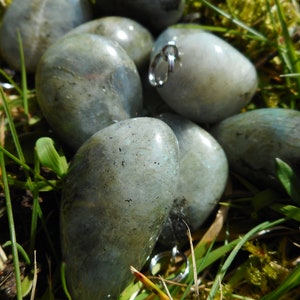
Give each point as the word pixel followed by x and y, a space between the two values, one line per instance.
pixel 252 140
pixel 211 80
pixel 155 14
pixel 40 24
pixel 117 194
pixel 84 83
pixel 203 173
pixel 136 40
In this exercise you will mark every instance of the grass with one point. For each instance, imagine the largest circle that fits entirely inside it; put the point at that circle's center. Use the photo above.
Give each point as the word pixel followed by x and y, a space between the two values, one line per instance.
pixel 249 251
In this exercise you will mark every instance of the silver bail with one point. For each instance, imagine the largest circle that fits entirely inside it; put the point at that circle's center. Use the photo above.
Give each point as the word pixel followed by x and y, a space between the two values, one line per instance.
pixel 168 54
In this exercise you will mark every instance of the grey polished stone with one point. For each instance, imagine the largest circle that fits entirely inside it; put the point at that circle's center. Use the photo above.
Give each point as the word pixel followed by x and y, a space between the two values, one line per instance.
pixel 84 83
pixel 117 195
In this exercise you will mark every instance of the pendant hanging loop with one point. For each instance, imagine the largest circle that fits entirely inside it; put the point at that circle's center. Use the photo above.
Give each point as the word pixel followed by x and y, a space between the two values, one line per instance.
pixel 169 54
pixel 171 257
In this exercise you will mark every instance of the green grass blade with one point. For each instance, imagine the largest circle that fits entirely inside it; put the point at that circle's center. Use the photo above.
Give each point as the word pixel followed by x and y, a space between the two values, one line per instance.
pixel 214 255
pixel 23 77
pixel 50 158
pixel 292 56
pixel 204 258
pixel 218 29
pixel 234 252
pixel 290 75
pixel 200 263
pixel 26 167
pixel 234 20
pixel 287 50
pixel 290 211
pixel 35 207
pixel 12 231
pixel 42 186
pixel 132 289
pixel 26 286
pixel 289 180
pixel 9 79
pixel 291 281
pixel 20 249
pixel 12 127
pixel 21 158
pixel 63 281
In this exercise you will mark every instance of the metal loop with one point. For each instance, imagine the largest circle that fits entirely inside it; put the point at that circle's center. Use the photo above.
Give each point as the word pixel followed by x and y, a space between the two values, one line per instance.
pixel 6 85
pixel 152 70
pixel 169 54
pixel 171 257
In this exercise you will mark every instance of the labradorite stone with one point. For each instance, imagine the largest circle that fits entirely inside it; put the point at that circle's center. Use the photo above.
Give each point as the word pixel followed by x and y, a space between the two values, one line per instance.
pixel 40 24
pixel 84 83
pixel 254 139
pixel 136 39
pixel 117 195
pixel 203 172
pixel 211 79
